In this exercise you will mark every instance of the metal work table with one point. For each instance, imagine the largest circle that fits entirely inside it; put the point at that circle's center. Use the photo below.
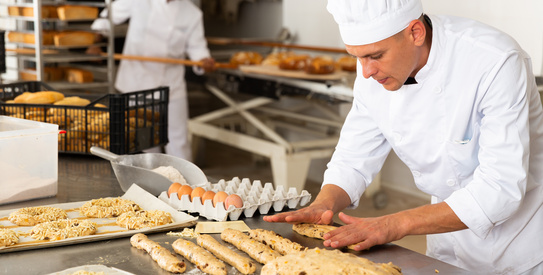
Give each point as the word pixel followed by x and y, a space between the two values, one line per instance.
pixel 83 178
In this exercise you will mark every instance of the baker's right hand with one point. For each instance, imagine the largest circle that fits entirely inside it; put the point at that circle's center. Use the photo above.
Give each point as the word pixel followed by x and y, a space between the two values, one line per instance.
pixel 315 213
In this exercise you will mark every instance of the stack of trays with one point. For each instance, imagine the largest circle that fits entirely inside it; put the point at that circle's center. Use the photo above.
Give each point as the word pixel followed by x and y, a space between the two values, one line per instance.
pixel 254 196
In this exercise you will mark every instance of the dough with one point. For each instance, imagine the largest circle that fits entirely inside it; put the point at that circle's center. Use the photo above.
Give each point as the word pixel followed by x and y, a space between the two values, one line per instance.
pixel 323 261
pixel 34 215
pixel 143 219
pixel 108 207
pixel 8 237
pixel 257 250
pixel 204 260
pixel 316 231
pixel 165 259
pixel 241 263
pixel 275 241
pixel 63 229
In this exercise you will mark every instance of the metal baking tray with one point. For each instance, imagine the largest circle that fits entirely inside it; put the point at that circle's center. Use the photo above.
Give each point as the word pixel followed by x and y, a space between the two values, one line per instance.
pixel 108 230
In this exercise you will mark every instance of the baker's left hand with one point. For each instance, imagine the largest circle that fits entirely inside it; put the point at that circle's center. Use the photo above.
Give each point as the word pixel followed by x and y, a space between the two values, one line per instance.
pixel 364 232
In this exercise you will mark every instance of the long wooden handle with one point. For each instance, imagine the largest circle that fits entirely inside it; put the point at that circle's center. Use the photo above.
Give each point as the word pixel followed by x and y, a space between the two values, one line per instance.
pixel 168 60
pixel 234 41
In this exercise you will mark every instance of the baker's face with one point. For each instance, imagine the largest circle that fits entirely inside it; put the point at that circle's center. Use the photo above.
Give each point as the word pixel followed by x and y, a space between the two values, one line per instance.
pixel 390 61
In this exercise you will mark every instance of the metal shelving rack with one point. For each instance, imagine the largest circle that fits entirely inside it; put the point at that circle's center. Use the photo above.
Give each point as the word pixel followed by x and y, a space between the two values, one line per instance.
pixel 63 55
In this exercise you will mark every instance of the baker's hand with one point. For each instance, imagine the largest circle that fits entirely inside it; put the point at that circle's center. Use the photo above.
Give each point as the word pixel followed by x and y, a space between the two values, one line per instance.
pixel 315 213
pixel 208 64
pixel 364 232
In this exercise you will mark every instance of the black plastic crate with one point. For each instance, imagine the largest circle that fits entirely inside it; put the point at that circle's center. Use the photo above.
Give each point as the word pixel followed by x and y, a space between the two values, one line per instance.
pixel 2 52
pixel 121 123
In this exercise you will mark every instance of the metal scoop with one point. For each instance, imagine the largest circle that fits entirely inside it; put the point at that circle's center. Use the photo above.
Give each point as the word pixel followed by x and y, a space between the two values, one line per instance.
pixel 130 169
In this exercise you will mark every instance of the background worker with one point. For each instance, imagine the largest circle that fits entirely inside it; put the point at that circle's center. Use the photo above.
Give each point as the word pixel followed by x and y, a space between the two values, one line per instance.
pixel 167 29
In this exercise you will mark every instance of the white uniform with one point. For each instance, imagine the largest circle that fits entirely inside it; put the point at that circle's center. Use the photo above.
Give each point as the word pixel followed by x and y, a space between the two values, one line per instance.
pixel 471 132
pixel 159 28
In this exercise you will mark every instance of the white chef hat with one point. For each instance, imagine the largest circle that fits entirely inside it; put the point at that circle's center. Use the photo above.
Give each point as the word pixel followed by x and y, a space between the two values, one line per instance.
pixel 363 22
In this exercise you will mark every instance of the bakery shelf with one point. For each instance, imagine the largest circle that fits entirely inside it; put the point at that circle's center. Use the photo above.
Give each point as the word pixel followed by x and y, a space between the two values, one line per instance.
pixel 63 85
pixel 37 24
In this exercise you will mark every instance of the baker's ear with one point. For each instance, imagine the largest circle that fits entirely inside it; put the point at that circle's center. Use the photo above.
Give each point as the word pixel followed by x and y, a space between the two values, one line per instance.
pixel 417 32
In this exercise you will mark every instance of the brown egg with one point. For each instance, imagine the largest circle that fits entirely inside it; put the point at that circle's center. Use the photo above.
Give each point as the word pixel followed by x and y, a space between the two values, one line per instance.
pixel 197 192
pixel 184 190
pixel 173 188
pixel 208 195
pixel 219 197
pixel 234 200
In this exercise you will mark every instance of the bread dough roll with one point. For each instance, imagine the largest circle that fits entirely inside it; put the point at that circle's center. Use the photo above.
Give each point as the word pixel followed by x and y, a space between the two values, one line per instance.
pixel 165 259
pixel 316 231
pixel 204 260
pixel 323 261
pixel 241 263
pixel 255 249
pixel 275 241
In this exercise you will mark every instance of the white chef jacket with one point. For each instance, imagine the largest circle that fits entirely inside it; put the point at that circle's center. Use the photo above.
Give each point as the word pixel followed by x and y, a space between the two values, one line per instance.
pixel 160 29
pixel 471 132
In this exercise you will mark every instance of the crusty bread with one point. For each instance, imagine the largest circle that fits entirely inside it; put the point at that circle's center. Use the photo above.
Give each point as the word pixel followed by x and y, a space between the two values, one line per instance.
pixel 246 58
pixel 47 11
pixel 74 38
pixel 70 12
pixel 75 75
pixel 320 65
pixel 43 97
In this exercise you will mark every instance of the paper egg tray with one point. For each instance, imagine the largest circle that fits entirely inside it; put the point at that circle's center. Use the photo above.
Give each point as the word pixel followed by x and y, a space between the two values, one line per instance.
pixel 254 195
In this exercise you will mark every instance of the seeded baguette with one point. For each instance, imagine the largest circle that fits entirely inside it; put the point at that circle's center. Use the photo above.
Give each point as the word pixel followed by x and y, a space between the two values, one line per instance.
pixel 241 263
pixel 255 249
pixel 165 259
pixel 204 260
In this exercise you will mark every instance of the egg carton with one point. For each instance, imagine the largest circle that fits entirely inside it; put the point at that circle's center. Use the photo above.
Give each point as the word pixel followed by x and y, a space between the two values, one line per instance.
pixel 254 195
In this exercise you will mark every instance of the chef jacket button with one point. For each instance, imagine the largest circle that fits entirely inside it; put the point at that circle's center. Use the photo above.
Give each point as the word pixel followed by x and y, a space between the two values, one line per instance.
pixel 437 90
pixel 416 174
pixel 450 182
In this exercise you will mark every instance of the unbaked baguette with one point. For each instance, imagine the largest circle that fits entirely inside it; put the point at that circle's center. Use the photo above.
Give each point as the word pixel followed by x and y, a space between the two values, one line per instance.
pixel 316 231
pixel 275 241
pixel 241 263
pixel 257 250
pixel 204 260
pixel 165 259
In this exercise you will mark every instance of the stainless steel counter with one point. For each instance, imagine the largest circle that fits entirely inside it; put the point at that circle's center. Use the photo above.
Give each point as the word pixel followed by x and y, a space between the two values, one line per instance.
pixel 85 177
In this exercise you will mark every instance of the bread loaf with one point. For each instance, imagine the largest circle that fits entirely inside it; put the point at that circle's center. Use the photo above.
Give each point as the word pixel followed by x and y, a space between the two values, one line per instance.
pixel 320 65
pixel 46 11
pixel 74 75
pixel 246 58
pixel 74 38
pixel 47 38
pixel 49 74
pixel 44 97
pixel 294 62
pixel 73 101
pixel 15 11
pixel 347 63
pixel 70 12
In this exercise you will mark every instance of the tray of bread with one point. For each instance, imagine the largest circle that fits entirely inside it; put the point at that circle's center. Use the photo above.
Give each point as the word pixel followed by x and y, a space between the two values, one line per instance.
pixel 137 211
pixel 230 199
pixel 294 65
pixel 120 123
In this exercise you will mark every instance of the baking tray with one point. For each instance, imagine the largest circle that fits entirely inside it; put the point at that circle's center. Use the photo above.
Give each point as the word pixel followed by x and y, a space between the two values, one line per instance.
pixel 106 226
